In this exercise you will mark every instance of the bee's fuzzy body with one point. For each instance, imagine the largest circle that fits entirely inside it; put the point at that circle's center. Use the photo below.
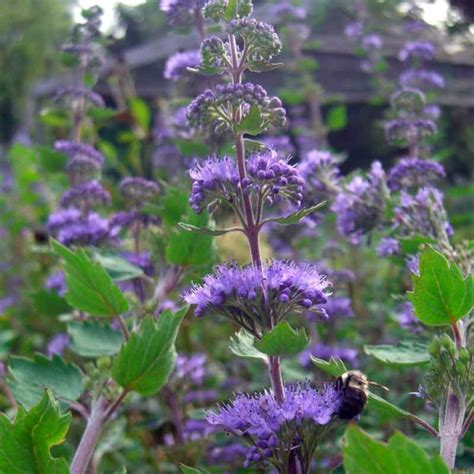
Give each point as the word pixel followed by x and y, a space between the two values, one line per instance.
pixel 354 388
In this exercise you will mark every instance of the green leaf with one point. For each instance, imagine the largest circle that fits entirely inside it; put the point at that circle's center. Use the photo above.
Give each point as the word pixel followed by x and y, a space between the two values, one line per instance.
pixel 251 123
pixel 242 345
pixel 192 148
pixel 100 114
pixel 204 230
pixel 92 339
pixel 146 360
pixel 231 10
pixel 25 444
pixel 54 118
pixel 49 303
pixel 7 336
pixel 253 145
pixel 364 455
pixel 186 248
pixel 140 112
pixel 28 378
pixel 175 206
pixel 334 366
pixel 90 287
pixel 295 217
pixel 405 354
pixel 262 66
pixel 191 470
pixel 383 406
pixel 411 245
pixel 206 70
pixel 440 294
pixel 337 118
pixel 116 266
pixel 283 340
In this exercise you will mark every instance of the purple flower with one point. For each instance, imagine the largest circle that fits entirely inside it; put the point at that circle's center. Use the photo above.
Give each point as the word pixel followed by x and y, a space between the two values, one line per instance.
pixel 354 30
pixel 411 173
pixel 79 92
pixel 417 49
pixel 287 11
pixel 338 307
pixel 230 453
pixel 83 168
pixel 406 128
pixel 422 214
pixel 176 66
pixel 372 42
pixel 56 282
pixel 281 144
pixel 190 369
pixel 273 430
pixel 406 317
pixel 85 195
pixel 138 190
pixel 58 344
pixel 360 206
pixel 422 79
pixel 237 292
pixel 62 218
pixel 181 12
pixel 324 351
pixel 128 219
pixel 320 173
pixel 388 246
pixel 74 149
pixel 413 264
pixel 90 230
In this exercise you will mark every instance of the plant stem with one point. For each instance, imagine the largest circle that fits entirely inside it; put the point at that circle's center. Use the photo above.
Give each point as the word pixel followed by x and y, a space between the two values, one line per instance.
pixel 451 428
pixel 89 439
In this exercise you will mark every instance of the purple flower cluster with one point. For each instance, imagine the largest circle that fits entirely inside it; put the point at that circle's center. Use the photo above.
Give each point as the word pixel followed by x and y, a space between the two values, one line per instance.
pixel 287 11
pixel 251 296
pixel 58 344
pixel 74 93
pixel 360 206
pixel 410 173
pixel 422 79
pixel 85 196
pixel 417 49
pixel 281 144
pixel 190 369
pixel 407 129
pixel 138 190
pixel 388 246
pixel 320 173
pixel 181 12
pixel 129 219
pixel 56 282
pixel 88 230
pixel 176 66
pixel 422 214
pixel 218 107
pixel 274 429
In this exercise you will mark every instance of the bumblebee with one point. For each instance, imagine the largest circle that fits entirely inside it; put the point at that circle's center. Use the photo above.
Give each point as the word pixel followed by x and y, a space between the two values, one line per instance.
pixel 354 386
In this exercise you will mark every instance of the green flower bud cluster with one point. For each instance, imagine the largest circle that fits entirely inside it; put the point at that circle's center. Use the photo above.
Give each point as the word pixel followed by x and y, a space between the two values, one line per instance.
pixel 97 376
pixel 216 9
pixel 260 40
pixel 408 101
pixel 449 368
pixel 215 53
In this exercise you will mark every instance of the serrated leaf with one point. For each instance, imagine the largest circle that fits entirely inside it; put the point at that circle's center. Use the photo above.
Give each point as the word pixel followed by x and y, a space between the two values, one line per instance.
pixel 146 360
pixel 334 366
pixel 117 267
pixel 203 230
pixel 186 248
pixel 296 216
pixel 440 295
pixel 89 286
pixel 93 339
pixel 231 10
pixel 364 455
pixel 242 345
pixel 383 406
pixel 25 444
pixel 283 340
pixel 28 378
pixel 405 354
pixel 251 123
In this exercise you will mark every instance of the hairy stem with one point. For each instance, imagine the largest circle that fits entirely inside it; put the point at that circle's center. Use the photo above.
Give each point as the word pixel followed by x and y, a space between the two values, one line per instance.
pixel 451 428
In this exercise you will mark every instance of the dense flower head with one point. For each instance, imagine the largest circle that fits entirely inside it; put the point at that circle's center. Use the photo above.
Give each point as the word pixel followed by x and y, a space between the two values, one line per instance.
pixel 417 49
pixel 213 180
pixel 218 108
pixel 56 282
pixel 214 53
pixel 321 175
pixel 266 424
pixel 76 149
pixel 138 190
pixel 422 79
pixel 408 102
pixel 190 369
pixel 388 246
pixel 82 168
pixel 79 92
pixel 85 195
pixel 176 66
pixel 411 173
pixel 181 12
pixel 263 43
pixel 61 218
pixel 89 230
pixel 281 144
pixel 409 128
pixel 422 214
pixel 128 219
pixel 360 206
pixel 372 42
pixel 251 296
pixel 354 29
pixel 325 351
pixel 274 178
pixel 57 344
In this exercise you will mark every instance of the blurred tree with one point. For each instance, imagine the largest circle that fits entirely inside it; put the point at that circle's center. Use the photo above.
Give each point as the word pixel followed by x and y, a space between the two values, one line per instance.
pixel 30 34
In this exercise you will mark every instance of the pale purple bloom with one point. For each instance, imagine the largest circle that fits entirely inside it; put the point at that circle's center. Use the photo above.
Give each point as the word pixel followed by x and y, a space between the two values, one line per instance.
pixel 190 369
pixel 422 79
pixel 372 42
pixel 74 149
pixel 266 424
pixel 128 219
pixel 411 173
pixel 417 49
pixel 176 66
pixel 138 190
pixel 388 246
pixel 432 112
pixel 233 292
pixel 56 282
pixel 281 144
pixel 360 206
pixel 5 303
pixel 405 128
pixel 61 218
pixel 88 194
pixel 58 344
pixel 406 317
pixel 181 12
pixel 354 30
pixel 286 10
pixel 413 264
pixel 80 92
pixel 91 230
pixel 83 168
pixel 324 351
pixel 338 307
